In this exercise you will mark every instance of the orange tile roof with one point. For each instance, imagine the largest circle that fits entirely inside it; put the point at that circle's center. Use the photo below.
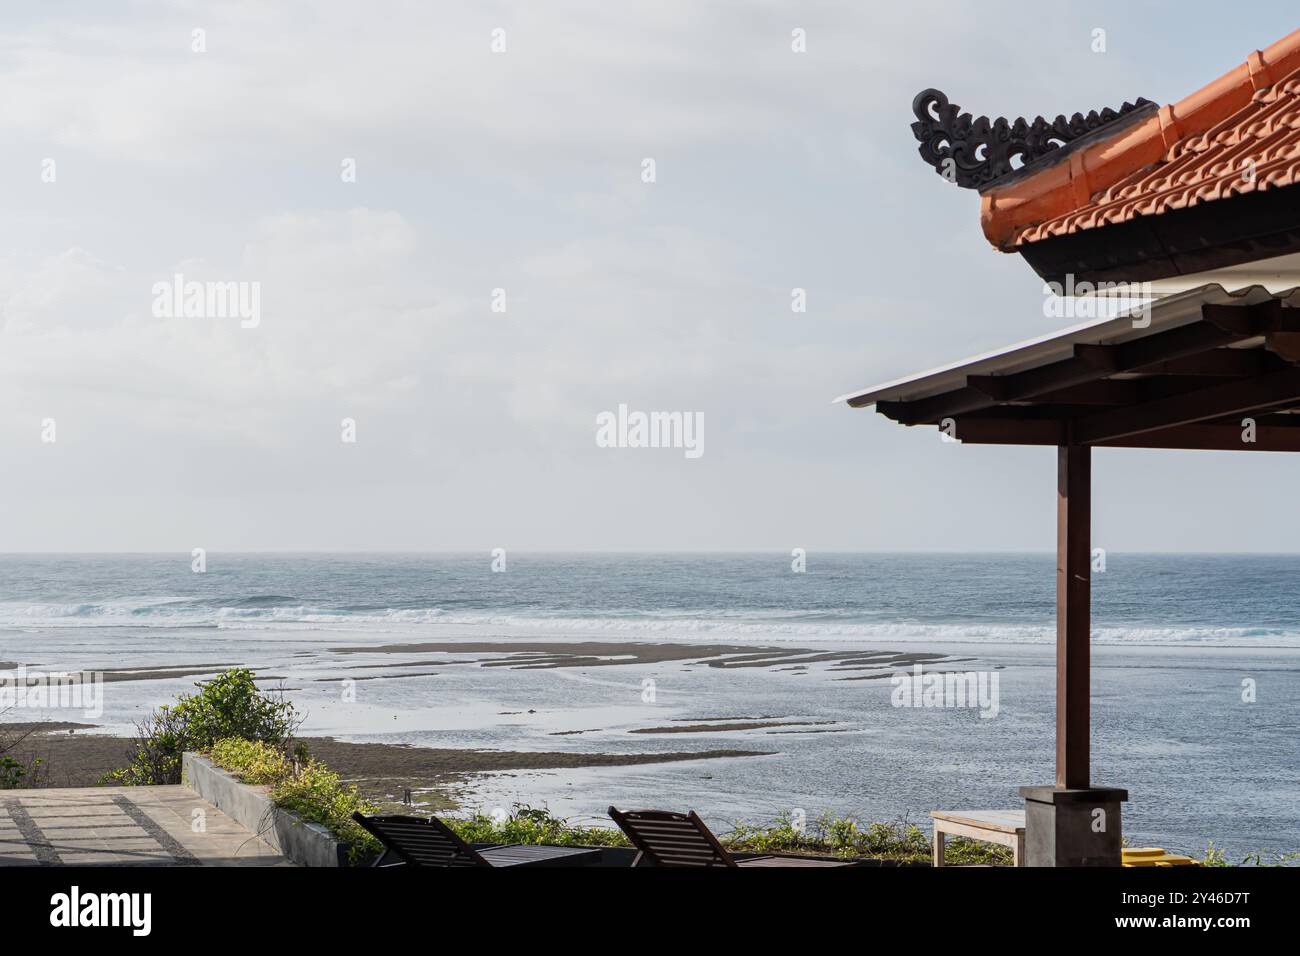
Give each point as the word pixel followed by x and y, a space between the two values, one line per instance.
pixel 1239 134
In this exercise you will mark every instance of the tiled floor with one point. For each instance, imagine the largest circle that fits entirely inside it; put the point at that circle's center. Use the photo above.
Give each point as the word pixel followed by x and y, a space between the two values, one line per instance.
pixel 123 826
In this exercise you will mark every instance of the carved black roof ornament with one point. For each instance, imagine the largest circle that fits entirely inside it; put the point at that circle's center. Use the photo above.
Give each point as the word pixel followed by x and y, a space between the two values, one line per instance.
pixel 975 152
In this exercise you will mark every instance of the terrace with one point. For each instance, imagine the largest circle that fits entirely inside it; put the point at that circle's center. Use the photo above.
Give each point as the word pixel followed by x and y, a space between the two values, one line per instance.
pixel 1191 194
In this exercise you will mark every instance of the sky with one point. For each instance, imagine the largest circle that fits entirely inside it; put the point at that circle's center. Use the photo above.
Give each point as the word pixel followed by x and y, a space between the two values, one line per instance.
pixel 445 213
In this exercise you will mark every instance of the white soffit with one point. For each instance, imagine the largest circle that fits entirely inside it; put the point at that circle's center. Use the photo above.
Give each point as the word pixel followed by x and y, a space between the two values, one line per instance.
pixel 1279 274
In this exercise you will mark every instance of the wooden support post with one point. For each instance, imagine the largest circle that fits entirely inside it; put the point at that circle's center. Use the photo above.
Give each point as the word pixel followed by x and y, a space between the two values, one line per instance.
pixel 1073 823
pixel 1073 613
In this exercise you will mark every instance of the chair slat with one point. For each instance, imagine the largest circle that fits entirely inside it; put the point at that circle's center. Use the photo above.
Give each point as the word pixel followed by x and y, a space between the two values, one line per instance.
pixel 421 842
pixel 672 839
pixel 430 842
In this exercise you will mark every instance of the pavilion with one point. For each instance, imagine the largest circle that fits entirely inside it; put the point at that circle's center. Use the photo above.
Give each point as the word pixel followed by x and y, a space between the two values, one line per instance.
pixel 1187 205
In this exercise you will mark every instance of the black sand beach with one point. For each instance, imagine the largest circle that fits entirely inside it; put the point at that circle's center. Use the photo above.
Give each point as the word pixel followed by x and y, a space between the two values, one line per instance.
pixel 74 757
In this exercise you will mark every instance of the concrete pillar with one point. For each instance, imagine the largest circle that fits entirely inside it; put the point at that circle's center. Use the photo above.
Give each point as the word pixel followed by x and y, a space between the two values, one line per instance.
pixel 1073 827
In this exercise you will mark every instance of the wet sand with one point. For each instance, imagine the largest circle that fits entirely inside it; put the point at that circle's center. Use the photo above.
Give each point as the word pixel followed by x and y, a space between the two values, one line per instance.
pixel 384 772
pixel 35 674
pixel 528 655
pixel 723 728
pixel 75 758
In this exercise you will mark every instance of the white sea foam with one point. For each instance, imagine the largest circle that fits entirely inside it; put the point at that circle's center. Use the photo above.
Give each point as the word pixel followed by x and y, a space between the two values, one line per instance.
pixel 179 612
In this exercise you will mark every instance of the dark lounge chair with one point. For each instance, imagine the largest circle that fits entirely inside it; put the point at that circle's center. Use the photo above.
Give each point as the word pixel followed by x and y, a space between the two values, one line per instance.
pixel 417 841
pixel 682 839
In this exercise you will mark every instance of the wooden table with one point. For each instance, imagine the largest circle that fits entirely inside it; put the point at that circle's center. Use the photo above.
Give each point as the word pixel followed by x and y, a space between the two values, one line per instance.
pixel 1003 827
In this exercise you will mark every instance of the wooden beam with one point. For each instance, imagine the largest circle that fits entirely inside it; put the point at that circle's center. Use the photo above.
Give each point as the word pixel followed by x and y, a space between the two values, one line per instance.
pixel 1247 321
pixel 1240 320
pixel 935 408
pixel 1073 613
pixel 1270 435
pixel 988 430
pixel 1088 364
pixel 1198 343
pixel 1225 363
pixel 1151 387
pixel 1231 398
pixel 1216 437
pixel 994 386
pixel 1190 339
pixel 1055 411
pixel 1285 345
pixel 1104 358
pixel 1101 392
pixel 1280 417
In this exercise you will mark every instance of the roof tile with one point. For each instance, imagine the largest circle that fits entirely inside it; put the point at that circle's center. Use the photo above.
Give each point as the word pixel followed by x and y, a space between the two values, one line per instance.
pixel 1255 148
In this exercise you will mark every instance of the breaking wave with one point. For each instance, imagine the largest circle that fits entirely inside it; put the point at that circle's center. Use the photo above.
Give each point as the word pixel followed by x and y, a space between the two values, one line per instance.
pixel 272 611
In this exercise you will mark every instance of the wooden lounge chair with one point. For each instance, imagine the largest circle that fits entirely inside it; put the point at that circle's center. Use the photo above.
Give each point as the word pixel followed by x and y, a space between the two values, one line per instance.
pixel 682 839
pixel 417 841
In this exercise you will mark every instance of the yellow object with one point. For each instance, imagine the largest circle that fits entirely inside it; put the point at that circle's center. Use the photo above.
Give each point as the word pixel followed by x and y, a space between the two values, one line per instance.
pixel 1154 856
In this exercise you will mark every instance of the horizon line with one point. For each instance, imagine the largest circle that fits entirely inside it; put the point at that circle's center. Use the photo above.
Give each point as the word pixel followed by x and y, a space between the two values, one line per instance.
pixel 634 551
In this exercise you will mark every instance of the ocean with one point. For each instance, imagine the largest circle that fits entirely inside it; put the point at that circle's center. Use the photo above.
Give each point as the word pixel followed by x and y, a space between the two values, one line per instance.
pixel 1196 685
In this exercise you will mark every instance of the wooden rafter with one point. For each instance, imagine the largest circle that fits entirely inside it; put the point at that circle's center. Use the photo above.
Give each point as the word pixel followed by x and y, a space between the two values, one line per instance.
pixel 1089 363
pixel 1187 387
pixel 1224 363
pixel 1234 397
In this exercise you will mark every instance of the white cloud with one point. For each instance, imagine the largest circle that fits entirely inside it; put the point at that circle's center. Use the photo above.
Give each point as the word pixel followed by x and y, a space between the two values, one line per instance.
pixel 421 79
pixel 520 171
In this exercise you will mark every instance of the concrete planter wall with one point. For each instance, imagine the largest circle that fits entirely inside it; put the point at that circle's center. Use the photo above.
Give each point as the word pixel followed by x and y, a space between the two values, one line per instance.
pixel 298 840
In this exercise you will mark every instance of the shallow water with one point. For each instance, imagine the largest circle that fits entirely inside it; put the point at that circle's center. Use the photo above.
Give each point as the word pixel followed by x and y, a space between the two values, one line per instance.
pixel 1237 600
pixel 1173 647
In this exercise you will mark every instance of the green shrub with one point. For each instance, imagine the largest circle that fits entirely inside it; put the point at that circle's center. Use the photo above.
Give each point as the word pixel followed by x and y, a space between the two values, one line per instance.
pixel 255 762
pixel 229 705
pixel 14 772
pixel 531 825
pixel 826 836
pixel 845 837
pixel 1216 857
pixel 316 793
pixel 305 787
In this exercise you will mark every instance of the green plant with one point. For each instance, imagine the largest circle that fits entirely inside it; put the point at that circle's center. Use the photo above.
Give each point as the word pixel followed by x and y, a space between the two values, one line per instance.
pixel 845 837
pixel 309 789
pixel 532 825
pixel 783 835
pixel 228 706
pixel 302 786
pixel 1214 856
pixel 1270 858
pixel 316 793
pixel 826 836
pixel 255 762
pixel 15 773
